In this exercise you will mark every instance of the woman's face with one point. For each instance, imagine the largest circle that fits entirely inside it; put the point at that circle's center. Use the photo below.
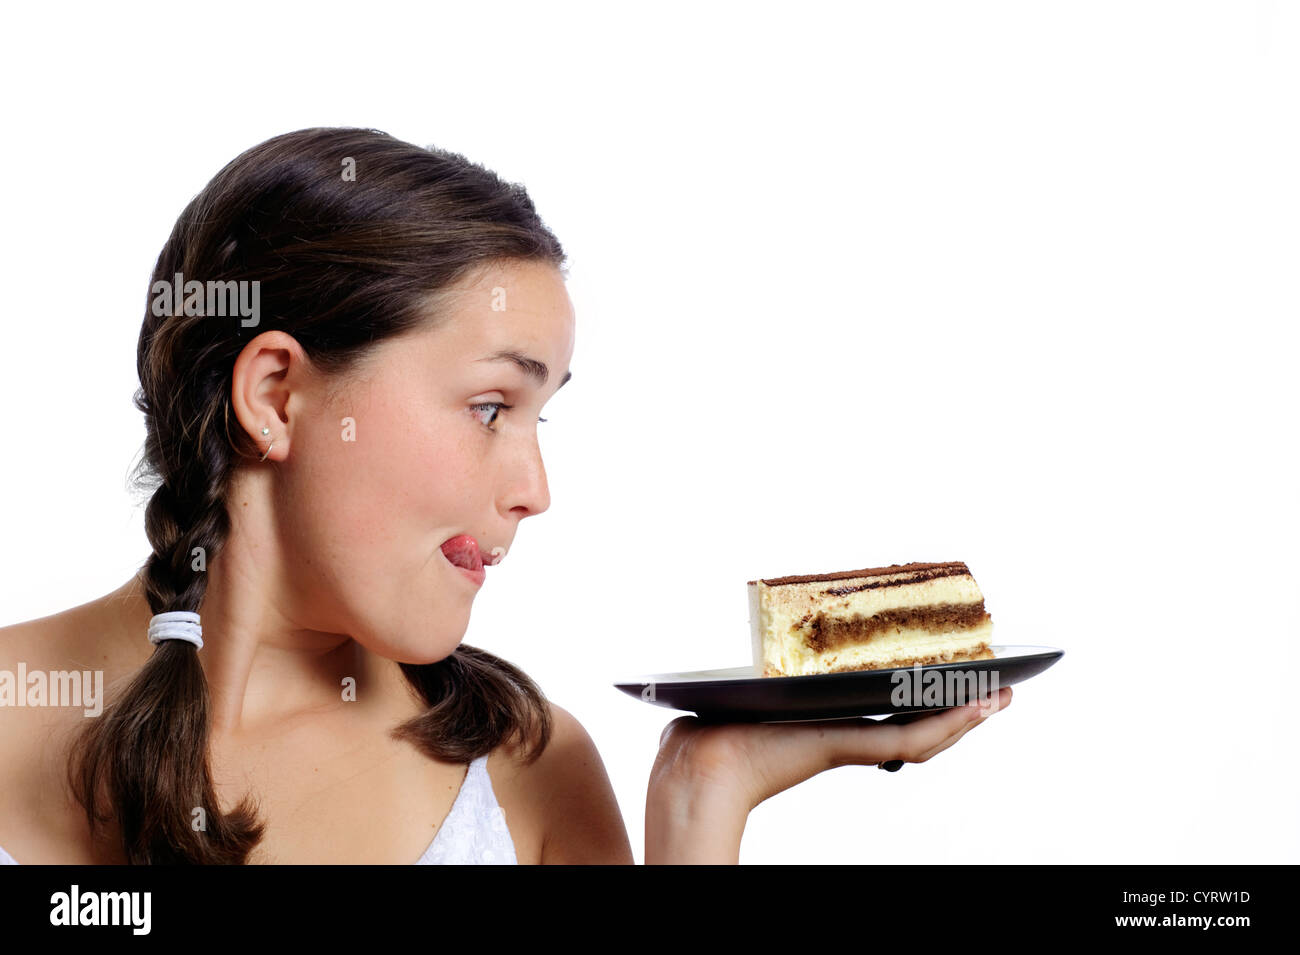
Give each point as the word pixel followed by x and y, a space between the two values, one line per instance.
pixel 416 450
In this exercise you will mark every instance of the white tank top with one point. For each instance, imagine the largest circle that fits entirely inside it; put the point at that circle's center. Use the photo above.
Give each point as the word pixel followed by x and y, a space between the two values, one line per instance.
pixel 474 832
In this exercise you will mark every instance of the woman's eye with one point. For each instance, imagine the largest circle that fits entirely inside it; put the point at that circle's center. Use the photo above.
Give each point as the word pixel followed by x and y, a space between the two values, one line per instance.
pixel 496 407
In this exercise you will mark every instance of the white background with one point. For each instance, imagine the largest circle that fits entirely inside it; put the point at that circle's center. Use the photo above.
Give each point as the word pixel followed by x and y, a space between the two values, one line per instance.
pixel 1007 283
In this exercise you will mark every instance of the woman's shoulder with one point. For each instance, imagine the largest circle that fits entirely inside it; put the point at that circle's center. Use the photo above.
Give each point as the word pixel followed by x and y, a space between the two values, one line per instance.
pixel 88 636
pixel 44 662
pixel 564 795
pixel 50 683
pixel 35 655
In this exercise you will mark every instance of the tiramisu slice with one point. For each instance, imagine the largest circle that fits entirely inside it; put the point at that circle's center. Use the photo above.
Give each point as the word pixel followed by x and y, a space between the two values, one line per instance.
pixel 869 619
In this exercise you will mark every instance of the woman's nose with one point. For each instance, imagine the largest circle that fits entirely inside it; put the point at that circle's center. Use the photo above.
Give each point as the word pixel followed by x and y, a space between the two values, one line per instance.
pixel 529 489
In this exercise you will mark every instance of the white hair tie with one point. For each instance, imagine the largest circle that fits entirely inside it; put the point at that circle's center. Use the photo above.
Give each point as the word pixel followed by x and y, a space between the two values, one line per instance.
pixel 176 625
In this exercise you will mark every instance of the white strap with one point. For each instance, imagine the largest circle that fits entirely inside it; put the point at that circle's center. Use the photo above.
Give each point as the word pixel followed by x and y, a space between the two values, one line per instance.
pixel 176 625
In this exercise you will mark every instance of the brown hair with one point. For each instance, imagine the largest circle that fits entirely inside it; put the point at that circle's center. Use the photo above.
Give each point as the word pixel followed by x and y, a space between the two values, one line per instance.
pixel 342 263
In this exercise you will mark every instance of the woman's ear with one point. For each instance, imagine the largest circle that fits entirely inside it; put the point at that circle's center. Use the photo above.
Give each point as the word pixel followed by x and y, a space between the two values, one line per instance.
pixel 266 373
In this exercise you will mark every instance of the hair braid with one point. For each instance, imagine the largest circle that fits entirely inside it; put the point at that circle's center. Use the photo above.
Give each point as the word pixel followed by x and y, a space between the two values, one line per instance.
pixel 150 748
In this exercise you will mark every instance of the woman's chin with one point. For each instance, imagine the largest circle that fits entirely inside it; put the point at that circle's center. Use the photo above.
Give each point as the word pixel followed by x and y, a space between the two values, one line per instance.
pixel 419 650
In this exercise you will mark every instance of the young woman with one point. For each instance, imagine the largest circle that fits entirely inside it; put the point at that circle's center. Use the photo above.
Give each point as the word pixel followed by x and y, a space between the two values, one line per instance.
pixel 336 437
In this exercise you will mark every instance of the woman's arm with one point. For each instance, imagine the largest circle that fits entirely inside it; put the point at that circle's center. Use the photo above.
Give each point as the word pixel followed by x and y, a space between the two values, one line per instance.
pixel 685 825
pixel 583 823
pixel 708 777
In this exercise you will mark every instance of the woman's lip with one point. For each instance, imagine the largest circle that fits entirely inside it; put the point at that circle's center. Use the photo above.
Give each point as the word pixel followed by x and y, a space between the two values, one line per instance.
pixel 465 548
pixel 478 576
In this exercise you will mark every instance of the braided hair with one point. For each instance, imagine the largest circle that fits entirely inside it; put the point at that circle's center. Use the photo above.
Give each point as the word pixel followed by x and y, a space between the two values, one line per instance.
pixel 342 264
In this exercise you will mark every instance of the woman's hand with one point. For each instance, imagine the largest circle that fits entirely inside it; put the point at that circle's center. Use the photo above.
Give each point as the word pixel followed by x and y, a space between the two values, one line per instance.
pixel 708 776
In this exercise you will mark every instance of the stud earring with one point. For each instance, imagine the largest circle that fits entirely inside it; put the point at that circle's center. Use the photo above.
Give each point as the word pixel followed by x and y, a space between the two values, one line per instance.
pixel 266 431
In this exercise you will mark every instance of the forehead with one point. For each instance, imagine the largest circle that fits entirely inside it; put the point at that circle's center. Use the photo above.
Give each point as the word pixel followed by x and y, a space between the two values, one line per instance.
pixel 521 306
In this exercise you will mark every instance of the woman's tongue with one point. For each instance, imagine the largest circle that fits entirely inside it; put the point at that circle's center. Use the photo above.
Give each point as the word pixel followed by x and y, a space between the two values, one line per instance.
pixel 463 551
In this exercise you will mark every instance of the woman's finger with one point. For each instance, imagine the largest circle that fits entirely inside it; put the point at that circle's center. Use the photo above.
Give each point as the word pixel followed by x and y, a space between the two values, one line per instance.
pixel 886 740
pixel 914 740
pixel 929 753
pixel 994 705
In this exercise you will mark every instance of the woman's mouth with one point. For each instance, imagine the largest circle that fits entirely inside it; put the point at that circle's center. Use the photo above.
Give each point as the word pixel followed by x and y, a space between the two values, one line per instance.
pixel 463 551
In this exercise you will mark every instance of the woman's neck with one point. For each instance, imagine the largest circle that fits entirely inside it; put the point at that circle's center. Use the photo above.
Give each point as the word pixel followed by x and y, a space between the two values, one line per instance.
pixel 262 670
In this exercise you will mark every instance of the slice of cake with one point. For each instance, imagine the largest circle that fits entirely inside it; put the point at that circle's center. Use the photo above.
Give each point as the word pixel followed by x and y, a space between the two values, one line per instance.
pixel 894 616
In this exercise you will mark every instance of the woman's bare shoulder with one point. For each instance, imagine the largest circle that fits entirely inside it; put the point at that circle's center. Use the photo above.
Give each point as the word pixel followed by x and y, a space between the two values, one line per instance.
pixel 565 795
pixel 46 695
pixel 20 640
pixel 31 653
pixel 54 674
pixel 90 636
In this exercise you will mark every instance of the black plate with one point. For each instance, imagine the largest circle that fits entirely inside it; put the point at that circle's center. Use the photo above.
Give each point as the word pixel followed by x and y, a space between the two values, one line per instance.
pixel 738 695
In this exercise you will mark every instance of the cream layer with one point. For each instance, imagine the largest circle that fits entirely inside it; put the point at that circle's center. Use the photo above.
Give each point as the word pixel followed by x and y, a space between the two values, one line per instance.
pixel 793 658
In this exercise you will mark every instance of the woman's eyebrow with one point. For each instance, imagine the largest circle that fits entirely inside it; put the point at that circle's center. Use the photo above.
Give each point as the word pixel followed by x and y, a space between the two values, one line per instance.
pixel 536 369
